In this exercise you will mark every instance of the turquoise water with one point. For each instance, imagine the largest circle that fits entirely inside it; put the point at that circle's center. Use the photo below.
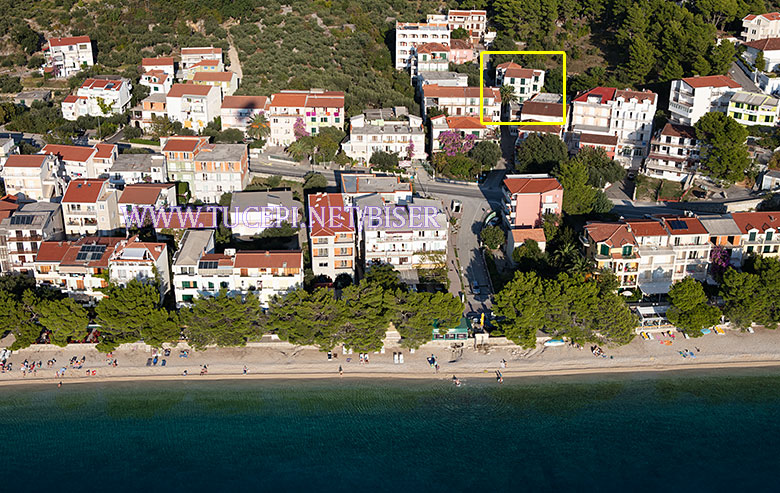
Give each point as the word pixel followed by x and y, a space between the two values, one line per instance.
pixel 649 434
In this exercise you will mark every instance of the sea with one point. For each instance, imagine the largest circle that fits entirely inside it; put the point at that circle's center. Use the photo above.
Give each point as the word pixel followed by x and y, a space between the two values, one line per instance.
pixel 713 431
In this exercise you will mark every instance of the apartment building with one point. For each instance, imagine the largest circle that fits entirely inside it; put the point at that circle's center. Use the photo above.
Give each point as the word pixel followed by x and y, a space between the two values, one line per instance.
pixel 391 130
pixel 227 82
pixel 77 267
pixel 462 51
pixel 89 207
pixel 163 64
pixel 462 101
pixel 64 57
pixel 134 198
pixel 769 48
pixel 724 233
pixel 465 125
pixel 239 111
pixel 443 79
pixel 129 169
pixel 144 261
pixel 22 232
pixel 157 81
pixel 8 205
pixel 209 66
pixel 431 57
pixel 690 241
pixel 473 21
pixel 612 247
pixel 408 35
pixel 389 187
pixel 332 233
pixel 760 26
pixel 751 108
pixel 191 56
pixel 210 169
pixel 35 176
pixel 83 161
pixel 193 105
pixel 542 107
pixel 527 198
pixel 674 153
pixel 98 97
pixel 525 81
pixel 692 97
pixel 198 271
pixel 253 212
pixel 759 232
pixel 315 108
pixel 150 108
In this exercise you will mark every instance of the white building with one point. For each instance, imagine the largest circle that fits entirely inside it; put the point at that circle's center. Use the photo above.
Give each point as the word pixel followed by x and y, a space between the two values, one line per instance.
pixel 21 234
pixel 83 161
pixel 140 260
pixel 770 48
pixel 163 64
pixel 191 56
pixel 525 81
pixel 761 26
pixel 194 106
pixel 227 82
pixel 315 108
pixel 98 97
pixel 332 236
pixel 751 108
pixel 89 207
pixel 391 130
pixel 65 57
pixel 409 35
pixel 253 212
pixel 431 57
pixel 239 111
pixel 692 97
pixel 674 153
pixel 210 66
pixel 465 125
pixel 462 101
pixel 473 21
pixel 157 81
pixel 389 187
pixel 443 79
pixel 129 169
pixel 152 107
pixel 134 198
pixel 36 176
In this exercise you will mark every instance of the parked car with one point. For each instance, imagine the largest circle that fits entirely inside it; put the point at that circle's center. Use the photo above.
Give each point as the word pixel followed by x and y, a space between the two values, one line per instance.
pixel 475 287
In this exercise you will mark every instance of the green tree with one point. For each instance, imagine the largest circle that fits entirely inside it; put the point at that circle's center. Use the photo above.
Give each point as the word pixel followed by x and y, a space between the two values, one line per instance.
pixel 760 63
pixel 305 318
pixel 65 319
pixel 641 59
pixel 26 38
pixel 487 153
pixel 672 71
pixel 383 275
pixel 460 33
pixel 722 56
pixel 578 196
pixel 507 94
pixel 492 237
pixel 540 153
pixel 743 305
pixel 222 320
pixel 315 181
pixel 259 128
pixel 384 161
pixel 521 303
pixel 601 168
pixel 724 152
pixel 418 314
pixel 615 320
pixel 366 316
pixel 689 311
pixel 17 315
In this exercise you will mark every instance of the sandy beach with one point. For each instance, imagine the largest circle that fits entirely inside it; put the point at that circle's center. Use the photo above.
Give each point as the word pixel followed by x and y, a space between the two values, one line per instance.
pixel 280 360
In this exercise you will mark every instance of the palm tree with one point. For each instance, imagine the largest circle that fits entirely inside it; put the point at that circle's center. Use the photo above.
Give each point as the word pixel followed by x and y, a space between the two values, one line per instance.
pixel 507 93
pixel 258 128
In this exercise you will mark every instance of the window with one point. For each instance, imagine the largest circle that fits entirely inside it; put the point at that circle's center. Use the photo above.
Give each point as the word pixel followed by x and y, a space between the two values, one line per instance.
pixel 604 250
pixel 752 236
pixel 768 236
pixel 627 250
pixel 750 249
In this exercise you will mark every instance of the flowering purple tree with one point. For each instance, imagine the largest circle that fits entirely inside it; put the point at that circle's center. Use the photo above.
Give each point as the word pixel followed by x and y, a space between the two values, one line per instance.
pixel 410 151
pixel 719 262
pixel 299 128
pixel 453 142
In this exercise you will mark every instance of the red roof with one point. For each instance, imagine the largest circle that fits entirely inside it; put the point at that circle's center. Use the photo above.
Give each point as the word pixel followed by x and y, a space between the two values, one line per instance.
pixel 760 221
pixel 521 235
pixel 154 249
pixel 646 227
pixel 682 225
pixel 179 90
pixel 321 205
pixel 770 16
pixel 711 81
pixel 66 252
pixel 532 185
pixel 190 219
pixel 142 193
pixel 290 100
pixel 25 161
pixel 70 98
pixel 464 122
pixel 678 130
pixel 768 44
pixel 245 102
pixel 432 48
pixel 69 153
pixel 152 62
pixel 213 76
pixel 544 109
pixel 206 63
pixel 183 143
pixel 461 44
pixel 83 191
pixel 640 95
pixel 104 151
pixel 604 94
pixel 547 129
pixel 515 70
pixel 105 84
pixel 597 139
pixel 268 259
pixel 326 99
pixel 74 40
pixel 209 50
pixel 615 235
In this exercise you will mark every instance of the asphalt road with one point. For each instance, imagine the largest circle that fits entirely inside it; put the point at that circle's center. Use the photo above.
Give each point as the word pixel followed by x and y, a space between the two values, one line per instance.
pixel 742 78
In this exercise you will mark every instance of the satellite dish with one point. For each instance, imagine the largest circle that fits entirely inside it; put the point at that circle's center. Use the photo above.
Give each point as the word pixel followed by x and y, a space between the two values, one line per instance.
pixel 627 293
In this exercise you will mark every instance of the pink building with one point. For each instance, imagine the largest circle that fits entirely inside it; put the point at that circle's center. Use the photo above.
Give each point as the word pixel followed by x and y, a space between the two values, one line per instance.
pixel 461 51
pixel 526 199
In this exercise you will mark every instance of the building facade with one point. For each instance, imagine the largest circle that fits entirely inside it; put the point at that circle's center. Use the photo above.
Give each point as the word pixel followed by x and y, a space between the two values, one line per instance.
pixel 408 35
pixel 89 207
pixel 98 97
pixel 692 97
pixel 391 130
pixel 315 109
pixel 194 106
pixel 65 57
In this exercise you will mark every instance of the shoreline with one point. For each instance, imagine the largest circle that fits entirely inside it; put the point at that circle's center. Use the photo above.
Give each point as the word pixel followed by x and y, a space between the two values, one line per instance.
pixel 508 374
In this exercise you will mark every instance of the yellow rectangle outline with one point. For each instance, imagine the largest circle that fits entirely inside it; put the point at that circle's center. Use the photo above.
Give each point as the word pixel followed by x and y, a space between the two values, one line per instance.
pixel 482 86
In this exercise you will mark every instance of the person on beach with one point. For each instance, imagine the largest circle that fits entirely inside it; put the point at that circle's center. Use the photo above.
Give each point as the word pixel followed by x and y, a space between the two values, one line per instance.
pixel 245 370
pixel 499 377
pixel 59 385
pixel 341 371
pixel 184 373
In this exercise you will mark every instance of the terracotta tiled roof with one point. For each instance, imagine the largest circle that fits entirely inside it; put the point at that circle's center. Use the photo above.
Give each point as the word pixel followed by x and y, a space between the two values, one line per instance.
pixel 104 151
pixel 69 153
pixel 25 161
pixel 597 139
pixel 268 259
pixel 74 40
pixel 646 227
pixel 543 109
pixel 70 98
pixel 677 130
pixel 151 62
pixel 771 16
pixel 615 235
pixel 437 91
pixel 760 221
pixel 326 99
pixel 329 225
pixel 604 93
pixel 183 143
pixel 768 44
pixel 459 122
pixel 682 225
pixel 639 95
pixel 711 81
pixel 142 193
pixel 84 191
pixel 245 102
pixel 209 50
pixel 432 48
pixel 521 235
pixel 461 44
pixel 532 185
pixel 179 90
pixel 213 76
pixel 105 84
pixel 547 129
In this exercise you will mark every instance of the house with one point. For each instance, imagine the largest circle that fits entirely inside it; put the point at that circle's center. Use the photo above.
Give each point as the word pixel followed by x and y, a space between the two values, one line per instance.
pixel 612 246
pixel 724 233
pixel 525 81
pixel 83 161
pixel 208 66
pixel 430 57
pixel 163 64
pixel 22 232
pixel 27 98
pixel 89 207
pixel 461 51
pixel 137 196
pixel 759 233
pixel 408 35
pixel 760 26
pixel 210 169
pixel 527 198
pixel 462 101
pixel 690 241
pixel 64 57
pixel 239 111
pixel 191 56
pixel 770 180
pixel 473 21
pixel 692 97
pixel 389 187
pixel 674 153
pixel 198 271
pixel 332 234
pixel 193 105
pixel 751 108
pixel 7 147
pixel 464 125
pixel 391 130
pixel 129 169
pixel 315 109
pixel 152 107
pixel 657 257
pixel 227 82
pixel 9 204
pixel 609 112
pixel 408 236
pixel 542 107
pixel 98 97
pixel 157 81
pixel 143 261
pixel 35 176
pixel 443 79
pixel 769 49
pixel 253 212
